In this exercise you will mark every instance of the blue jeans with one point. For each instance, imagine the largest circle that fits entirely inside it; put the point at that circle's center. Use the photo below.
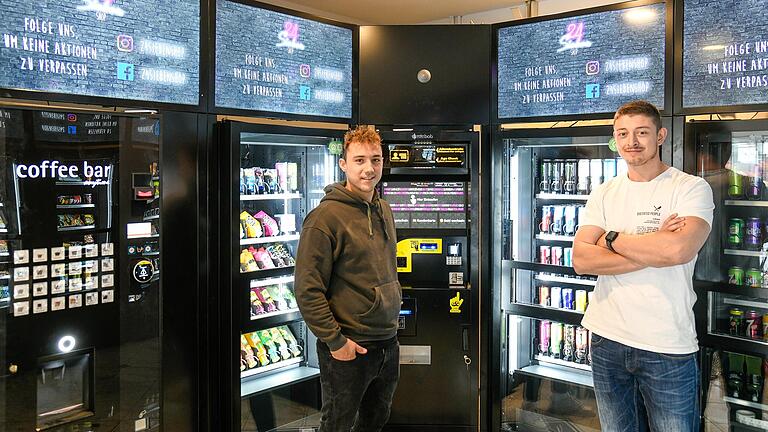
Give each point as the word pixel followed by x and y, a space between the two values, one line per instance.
pixel 357 394
pixel 636 388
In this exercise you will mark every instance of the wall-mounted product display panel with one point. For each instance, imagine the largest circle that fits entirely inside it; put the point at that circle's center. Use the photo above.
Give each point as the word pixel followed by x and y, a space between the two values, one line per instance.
pixel 148 50
pixel 584 64
pixel 725 53
pixel 281 63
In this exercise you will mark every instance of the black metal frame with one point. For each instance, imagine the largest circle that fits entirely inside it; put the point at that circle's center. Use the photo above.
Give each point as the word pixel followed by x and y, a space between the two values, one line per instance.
pixel 203 65
pixel 211 83
pixel 668 61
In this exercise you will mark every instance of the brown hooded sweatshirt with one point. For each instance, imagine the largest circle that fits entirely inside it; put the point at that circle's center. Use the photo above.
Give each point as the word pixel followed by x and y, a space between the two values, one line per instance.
pixel 346 275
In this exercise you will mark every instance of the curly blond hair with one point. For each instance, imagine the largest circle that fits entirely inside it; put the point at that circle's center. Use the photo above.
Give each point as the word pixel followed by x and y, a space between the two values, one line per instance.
pixel 364 134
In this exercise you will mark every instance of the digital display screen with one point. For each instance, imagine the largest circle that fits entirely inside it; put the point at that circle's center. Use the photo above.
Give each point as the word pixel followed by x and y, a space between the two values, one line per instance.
pixel 427 205
pixel 725 53
pixel 271 61
pixel 583 64
pixel 142 50
pixel 426 155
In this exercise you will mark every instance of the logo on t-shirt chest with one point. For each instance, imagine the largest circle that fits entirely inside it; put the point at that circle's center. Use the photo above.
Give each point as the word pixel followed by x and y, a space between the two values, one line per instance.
pixel 648 219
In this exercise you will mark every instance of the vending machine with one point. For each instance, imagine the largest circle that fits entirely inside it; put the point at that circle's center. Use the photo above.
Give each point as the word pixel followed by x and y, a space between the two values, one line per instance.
pixel 431 182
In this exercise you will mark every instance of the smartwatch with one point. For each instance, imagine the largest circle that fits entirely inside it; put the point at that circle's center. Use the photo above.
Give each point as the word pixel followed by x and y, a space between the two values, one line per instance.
pixel 609 238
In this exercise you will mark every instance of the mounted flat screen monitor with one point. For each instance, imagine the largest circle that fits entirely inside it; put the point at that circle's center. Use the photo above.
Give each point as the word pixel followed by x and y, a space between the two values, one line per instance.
pixel 725 53
pixel 280 63
pixel 427 205
pixel 140 50
pixel 583 64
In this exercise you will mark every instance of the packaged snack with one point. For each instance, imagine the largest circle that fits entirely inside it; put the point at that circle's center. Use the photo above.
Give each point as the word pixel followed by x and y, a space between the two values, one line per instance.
pixel 267 223
pixel 88 219
pixel 293 176
pixel 252 225
pixel 243 363
pixel 262 258
pixel 282 346
pixel 280 254
pixel 269 344
pixel 247 264
pixel 282 175
pixel 242 181
pixel 266 299
pixel 288 297
pixel 250 181
pixel 288 336
pixel 258 348
pixel 259 181
pixel 3 247
pixel 250 359
pixel 274 292
pixel 257 308
pixel 242 231
pixel 270 181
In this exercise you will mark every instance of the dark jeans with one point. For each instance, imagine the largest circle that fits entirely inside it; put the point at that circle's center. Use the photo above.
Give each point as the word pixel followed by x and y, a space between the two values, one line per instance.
pixel 636 388
pixel 357 394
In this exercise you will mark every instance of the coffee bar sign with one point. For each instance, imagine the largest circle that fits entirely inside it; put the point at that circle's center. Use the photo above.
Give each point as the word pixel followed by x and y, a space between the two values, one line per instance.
pixel 94 174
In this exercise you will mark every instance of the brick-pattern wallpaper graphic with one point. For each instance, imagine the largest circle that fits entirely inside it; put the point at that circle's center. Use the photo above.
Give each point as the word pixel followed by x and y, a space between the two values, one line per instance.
pixel 254 72
pixel 584 64
pixel 145 50
pixel 725 53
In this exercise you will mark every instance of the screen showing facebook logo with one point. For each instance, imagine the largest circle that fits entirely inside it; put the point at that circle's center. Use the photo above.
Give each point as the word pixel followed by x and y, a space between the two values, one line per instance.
pixel 125 71
pixel 593 91
pixel 305 92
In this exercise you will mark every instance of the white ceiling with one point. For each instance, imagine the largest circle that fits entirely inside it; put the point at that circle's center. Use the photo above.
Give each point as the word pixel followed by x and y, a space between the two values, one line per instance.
pixel 389 12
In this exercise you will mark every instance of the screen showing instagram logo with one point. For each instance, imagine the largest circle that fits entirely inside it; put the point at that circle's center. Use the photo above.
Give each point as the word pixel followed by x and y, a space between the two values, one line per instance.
pixel 305 70
pixel 593 67
pixel 124 43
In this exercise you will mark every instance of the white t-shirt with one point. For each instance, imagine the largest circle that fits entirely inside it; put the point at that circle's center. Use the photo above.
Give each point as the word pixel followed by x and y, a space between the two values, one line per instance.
pixel 652 308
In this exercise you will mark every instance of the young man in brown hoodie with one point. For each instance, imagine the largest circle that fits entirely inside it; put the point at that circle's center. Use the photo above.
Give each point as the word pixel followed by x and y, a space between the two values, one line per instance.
pixel 348 292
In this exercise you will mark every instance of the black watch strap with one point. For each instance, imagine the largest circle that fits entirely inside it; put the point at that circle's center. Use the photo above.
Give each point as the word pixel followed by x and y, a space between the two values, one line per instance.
pixel 609 238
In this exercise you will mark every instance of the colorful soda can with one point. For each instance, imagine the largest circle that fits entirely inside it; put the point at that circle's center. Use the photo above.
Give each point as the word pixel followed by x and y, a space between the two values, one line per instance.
pixel 753 277
pixel 545 185
pixel 569 342
pixel 753 238
pixel 736 232
pixel 609 169
pixel 581 300
pixel 556 340
pixel 555 297
pixel 736 275
pixel 545 255
pixel 755 183
pixel 544 296
pixel 582 345
pixel 557 255
pixel 736 322
pixel 568 302
pixel 568 257
pixel 544 335
pixel 569 227
pixel 621 167
pixel 582 185
pixel 547 213
pixel 570 177
pixel 753 324
pixel 558 219
pixel 595 173
pixel 557 176
pixel 735 185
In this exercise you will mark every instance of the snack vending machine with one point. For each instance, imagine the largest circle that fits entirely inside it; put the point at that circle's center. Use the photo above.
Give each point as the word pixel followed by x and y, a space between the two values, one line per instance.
pixel 542 180
pixel 731 274
pixel 80 297
pixel 276 176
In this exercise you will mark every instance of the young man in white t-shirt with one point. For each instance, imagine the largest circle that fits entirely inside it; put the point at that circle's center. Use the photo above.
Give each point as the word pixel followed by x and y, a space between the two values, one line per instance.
pixel 640 234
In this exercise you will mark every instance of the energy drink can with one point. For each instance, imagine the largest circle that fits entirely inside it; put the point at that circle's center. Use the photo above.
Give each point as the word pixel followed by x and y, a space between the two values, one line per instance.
pixel 579 215
pixel 621 167
pixel 544 336
pixel 582 185
pixel 556 340
pixel 558 219
pixel 558 167
pixel 753 325
pixel 736 322
pixel 557 255
pixel 736 275
pixel 595 173
pixel 754 277
pixel 547 213
pixel 755 183
pixel 569 342
pixel 581 300
pixel 568 257
pixel 609 169
pixel 545 185
pixel 567 294
pixel 569 227
pixel 735 232
pixel 570 177
pixel 582 345
pixel 545 255
pixel 754 234
pixel 543 296
pixel 555 297
pixel 735 185
pixel 590 296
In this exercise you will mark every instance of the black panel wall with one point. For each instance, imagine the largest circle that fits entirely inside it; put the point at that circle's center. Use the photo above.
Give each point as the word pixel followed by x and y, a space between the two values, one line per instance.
pixel 458 58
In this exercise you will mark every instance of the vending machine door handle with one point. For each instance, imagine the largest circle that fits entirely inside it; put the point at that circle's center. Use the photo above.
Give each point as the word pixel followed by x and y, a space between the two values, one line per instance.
pixel 465 339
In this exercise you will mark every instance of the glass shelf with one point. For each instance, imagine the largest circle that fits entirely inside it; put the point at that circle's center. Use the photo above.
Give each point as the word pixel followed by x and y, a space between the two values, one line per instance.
pixel 555 237
pixel 746 203
pixel 563 279
pixel 275 239
pixel 553 196
pixel 75 206
pixel 747 253
pixel 265 197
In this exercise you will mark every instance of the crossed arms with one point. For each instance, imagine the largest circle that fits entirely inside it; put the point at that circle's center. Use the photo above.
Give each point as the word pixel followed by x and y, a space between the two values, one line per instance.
pixel 677 242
